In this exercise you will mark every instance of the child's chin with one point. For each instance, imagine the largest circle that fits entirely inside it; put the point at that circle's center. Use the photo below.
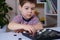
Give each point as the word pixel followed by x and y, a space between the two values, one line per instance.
pixel 28 17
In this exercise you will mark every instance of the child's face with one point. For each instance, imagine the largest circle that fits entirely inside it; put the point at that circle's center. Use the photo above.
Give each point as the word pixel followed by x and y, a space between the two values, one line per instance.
pixel 27 10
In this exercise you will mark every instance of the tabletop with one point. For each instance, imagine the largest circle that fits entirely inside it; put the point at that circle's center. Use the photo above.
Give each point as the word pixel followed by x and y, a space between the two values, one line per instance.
pixel 13 36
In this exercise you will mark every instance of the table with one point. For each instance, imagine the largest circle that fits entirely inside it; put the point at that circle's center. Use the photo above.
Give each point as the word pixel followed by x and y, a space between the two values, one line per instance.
pixel 12 36
pixel 18 36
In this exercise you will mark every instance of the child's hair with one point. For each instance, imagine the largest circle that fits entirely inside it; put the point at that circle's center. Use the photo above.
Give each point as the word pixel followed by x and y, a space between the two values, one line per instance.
pixel 22 2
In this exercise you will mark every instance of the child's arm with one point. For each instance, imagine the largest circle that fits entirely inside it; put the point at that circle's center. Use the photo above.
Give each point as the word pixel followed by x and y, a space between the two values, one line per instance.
pixel 16 26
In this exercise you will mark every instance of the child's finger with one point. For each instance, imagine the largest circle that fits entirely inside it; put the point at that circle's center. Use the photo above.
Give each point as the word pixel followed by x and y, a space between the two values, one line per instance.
pixel 33 31
pixel 18 30
pixel 28 31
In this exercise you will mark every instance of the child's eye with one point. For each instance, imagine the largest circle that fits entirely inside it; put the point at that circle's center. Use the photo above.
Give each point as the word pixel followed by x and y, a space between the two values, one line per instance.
pixel 26 8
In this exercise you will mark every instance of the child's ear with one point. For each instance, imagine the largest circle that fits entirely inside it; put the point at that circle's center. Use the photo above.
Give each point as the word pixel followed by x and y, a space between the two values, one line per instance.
pixel 19 7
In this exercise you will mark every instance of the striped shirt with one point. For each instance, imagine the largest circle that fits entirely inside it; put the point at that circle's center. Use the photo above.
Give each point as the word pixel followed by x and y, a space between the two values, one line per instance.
pixel 20 20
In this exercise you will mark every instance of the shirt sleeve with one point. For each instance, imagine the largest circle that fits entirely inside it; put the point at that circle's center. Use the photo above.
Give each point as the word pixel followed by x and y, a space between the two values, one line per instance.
pixel 17 19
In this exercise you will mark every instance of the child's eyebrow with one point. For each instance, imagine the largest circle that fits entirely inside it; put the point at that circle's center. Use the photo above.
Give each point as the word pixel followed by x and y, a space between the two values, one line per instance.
pixel 28 7
pixel 25 6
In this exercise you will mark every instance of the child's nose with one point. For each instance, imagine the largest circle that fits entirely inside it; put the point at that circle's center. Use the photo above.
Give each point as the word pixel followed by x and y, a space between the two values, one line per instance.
pixel 30 11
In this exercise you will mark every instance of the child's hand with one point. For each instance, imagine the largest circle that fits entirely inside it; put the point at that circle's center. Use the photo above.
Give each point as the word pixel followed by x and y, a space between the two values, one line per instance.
pixel 30 29
pixel 18 30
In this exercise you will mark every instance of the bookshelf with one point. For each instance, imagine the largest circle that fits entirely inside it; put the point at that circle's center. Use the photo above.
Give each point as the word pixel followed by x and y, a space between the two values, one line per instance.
pixel 50 12
pixel 51 7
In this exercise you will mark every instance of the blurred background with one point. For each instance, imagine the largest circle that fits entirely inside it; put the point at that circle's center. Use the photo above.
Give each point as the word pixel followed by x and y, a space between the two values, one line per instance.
pixel 48 12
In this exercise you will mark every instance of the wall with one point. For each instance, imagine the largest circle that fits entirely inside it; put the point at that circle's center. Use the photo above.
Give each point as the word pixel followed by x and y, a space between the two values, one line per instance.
pixel 58 13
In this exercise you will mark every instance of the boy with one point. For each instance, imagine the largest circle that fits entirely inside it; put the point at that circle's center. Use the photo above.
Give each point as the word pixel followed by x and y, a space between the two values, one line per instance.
pixel 27 20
